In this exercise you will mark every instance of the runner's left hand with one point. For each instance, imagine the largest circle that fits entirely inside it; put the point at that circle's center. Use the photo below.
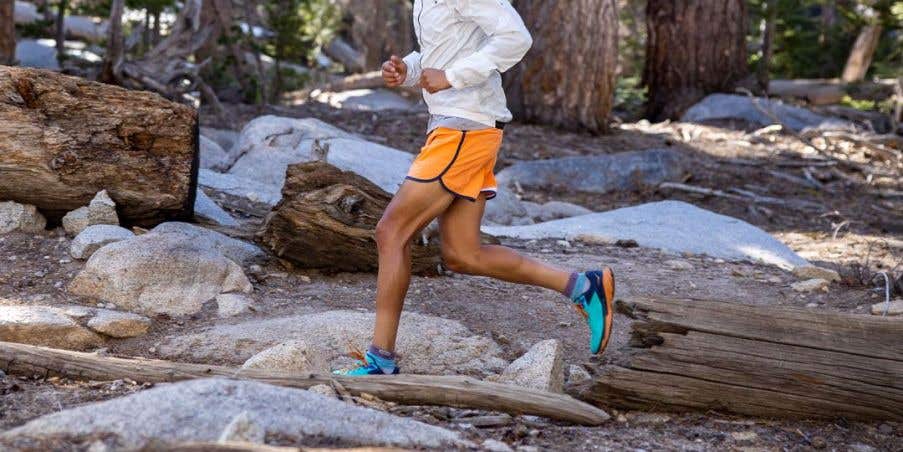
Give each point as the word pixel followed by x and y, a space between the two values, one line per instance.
pixel 434 80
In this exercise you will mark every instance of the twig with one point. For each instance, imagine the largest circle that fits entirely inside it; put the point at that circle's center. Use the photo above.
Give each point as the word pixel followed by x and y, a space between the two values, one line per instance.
pixel 743 196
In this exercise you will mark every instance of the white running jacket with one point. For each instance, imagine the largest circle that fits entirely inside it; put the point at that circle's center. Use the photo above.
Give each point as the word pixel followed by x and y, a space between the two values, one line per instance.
pixel 473 41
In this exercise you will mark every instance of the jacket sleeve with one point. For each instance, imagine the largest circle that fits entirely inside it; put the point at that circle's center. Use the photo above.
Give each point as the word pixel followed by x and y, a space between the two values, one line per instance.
pixel 414 69
pixel 509 40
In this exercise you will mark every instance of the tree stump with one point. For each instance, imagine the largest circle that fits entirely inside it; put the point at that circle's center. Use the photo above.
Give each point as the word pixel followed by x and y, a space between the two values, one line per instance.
pixel 327 220
pixel 63 139
pixel 755 360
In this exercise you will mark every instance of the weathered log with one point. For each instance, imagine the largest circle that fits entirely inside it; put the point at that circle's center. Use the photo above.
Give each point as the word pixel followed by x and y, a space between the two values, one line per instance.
pixel 63 139
pixel 327 220
pixel 756 360
pixel 454 391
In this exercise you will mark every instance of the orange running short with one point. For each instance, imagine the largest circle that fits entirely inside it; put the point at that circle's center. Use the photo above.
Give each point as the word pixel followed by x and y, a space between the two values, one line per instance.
pixel 462 161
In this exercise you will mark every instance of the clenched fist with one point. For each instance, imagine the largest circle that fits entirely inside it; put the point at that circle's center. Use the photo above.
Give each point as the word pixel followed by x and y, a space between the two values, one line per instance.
pixel 434 80
pixel 395 71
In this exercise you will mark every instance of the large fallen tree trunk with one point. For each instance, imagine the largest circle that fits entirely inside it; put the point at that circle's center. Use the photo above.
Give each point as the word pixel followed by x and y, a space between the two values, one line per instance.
pixel 756 360
pixel 327 220
pixel 462 392
pixel 63 139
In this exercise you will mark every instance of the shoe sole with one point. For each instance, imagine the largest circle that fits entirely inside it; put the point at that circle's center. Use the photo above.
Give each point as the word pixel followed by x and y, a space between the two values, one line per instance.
pixel 608 286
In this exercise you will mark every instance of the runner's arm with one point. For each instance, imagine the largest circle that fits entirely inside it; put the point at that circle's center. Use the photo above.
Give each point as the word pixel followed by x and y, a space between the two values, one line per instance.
pixel 509 41
pixel 412 61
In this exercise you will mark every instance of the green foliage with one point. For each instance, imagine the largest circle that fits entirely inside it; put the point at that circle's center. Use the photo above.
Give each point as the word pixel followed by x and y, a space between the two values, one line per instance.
pixel 630 96
pixel 299 27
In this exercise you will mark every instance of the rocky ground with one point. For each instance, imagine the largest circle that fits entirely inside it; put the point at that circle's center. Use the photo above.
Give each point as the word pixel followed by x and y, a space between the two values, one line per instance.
pixel 478 327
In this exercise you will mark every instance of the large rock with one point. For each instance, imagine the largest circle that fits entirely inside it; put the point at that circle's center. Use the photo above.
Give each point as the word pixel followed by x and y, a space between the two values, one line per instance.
pixel 542 367
pixel 237 250
pixel 289 356
pixel 40 53
pixel 201 410
pixel 20 217
pixel 365 100
pixel 506 209
pixel 46 326
pixel 733 106
pixel 101 210
pixel 159 273
pixel 669 225
pixel 554 210
pixel 427 344
pixel 208 210
pixel 213 156
pixel 119 324
pixel 95 237
pixel 256 193
pixel 225 138
pixel 598 173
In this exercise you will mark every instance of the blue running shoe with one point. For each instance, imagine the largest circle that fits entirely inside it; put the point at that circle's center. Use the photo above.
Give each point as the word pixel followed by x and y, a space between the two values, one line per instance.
pixel 366 367
pixel 596 306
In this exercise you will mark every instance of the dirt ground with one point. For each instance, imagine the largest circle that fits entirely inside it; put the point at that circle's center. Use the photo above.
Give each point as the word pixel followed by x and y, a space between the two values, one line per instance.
pixel 35 269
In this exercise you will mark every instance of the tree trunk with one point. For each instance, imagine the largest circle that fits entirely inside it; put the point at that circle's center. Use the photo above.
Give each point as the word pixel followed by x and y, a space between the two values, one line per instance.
pixel 568 77
pixel 112 60
pixel 327 220
pixel 379 29
pixel 762 71
pixel 63 139
pixel 7 32
pixel 61 28
pixel 695 48
pixel 464 392
pixel 761 361
pixel 861 56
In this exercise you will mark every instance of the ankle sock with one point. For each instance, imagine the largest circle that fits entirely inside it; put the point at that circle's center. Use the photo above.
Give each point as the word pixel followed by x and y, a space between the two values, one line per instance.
pixel 578 284
pixel 383 359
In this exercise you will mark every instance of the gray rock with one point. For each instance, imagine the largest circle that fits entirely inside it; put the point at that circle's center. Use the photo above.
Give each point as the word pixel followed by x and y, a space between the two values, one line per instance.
pixel 266 194
pixel 101 210
pixel 427 344
pixel 119 324
pixel 39 54
pixel 95 237
pixel 290 356
pixel 232 304
pixel 20 217
pixel 506 209
pixel 670 225
pixel 212 155
pixel 323 390
pixel 810 285
pixel 554 210
pixel 159 274
pixel 365 100
pixel 200 410
pixel 494 445
pixel 208 210
pixel 239 251
pixel 578 374
pixel 895 307
pixel 678 265
pixel 243 429
pixel 225 138
pixel 596 174
pixel 46 326
pixel 728 106
pixel 542 368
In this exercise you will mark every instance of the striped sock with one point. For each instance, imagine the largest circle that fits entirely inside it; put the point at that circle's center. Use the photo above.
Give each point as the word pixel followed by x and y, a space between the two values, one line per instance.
pixel 578 284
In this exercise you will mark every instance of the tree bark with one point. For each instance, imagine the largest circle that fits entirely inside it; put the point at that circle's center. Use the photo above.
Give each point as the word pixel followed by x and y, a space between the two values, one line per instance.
pixel 762 71
pixel 61 28
pixel 7 32
pixel 63 139
pixel 568 77
pixel 112 60
pixel 694 48
pixel 379 29
pixel 861 56
pixel 756 360
pixel 327 220
pixel 454 391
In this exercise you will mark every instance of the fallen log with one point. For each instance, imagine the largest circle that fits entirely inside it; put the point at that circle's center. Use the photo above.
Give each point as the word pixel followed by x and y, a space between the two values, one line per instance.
pixel 63 139
pixel 464 392
pixel 232 446
pixel 327 220
pixel 755 360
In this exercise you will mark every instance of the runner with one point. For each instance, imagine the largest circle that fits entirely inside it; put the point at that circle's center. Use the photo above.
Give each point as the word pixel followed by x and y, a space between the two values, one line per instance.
pixel 465 45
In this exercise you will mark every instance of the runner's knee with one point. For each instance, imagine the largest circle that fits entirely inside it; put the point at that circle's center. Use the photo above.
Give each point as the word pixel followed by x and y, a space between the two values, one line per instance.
pixel 458 261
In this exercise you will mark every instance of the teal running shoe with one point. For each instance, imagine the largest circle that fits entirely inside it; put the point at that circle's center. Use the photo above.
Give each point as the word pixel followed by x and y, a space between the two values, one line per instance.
pixel 366 367
pixel 596 306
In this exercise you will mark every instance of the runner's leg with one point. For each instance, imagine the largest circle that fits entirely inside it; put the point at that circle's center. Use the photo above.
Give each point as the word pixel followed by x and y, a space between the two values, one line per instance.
pixel 414 206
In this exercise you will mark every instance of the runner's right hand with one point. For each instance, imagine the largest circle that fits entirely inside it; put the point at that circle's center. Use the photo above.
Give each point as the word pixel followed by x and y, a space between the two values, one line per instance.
pixel 395 71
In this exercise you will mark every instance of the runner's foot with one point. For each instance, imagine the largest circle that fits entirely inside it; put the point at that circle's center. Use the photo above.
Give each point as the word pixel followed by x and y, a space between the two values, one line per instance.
pixel 372 364
pixel 596 305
